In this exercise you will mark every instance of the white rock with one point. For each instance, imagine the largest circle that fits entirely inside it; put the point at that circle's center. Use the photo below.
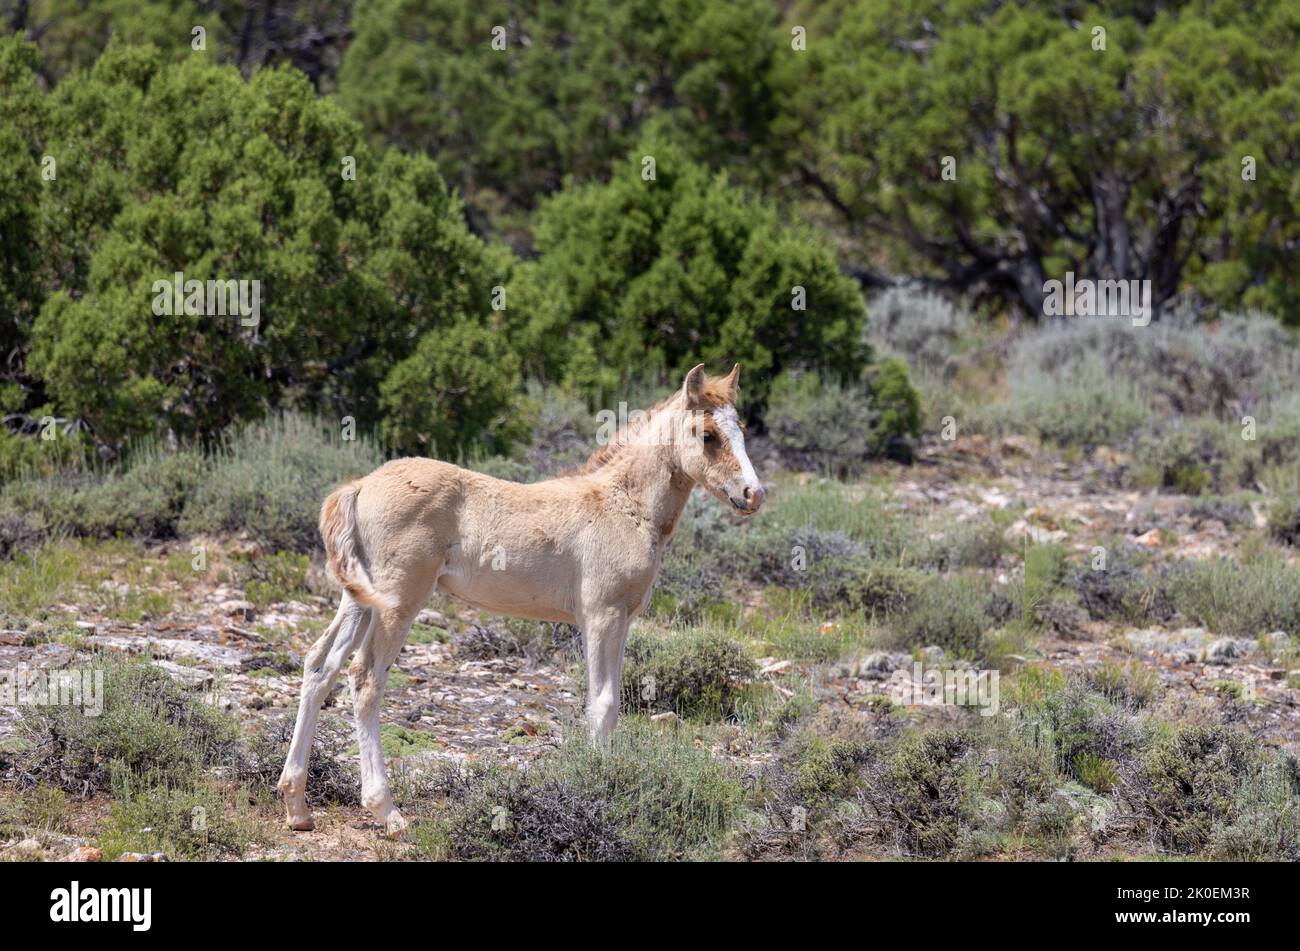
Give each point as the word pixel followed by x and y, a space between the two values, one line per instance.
pixel 1224 649
pixel 215 655
pixel 238 608
pixel 879 662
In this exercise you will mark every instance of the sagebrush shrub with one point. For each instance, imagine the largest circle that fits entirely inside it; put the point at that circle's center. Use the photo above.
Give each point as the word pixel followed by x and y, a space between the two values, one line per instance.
pixel 702 674
pixel 650 795
pixel 1179 367
pixel 1243 599
pixel 922 794
pixel 920 325
pixel 833 429
pixel 150 725
pixel 1085 405
pixel 1190 782
pixel 1284 521
pixel 1127 588
pixel 950 611
pixel 270 479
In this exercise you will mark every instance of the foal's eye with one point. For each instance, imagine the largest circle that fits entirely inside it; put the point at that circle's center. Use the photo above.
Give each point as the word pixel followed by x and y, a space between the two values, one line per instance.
pixel 708 436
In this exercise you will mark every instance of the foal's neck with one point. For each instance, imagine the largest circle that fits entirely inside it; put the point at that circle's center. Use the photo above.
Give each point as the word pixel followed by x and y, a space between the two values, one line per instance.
pixel 654 489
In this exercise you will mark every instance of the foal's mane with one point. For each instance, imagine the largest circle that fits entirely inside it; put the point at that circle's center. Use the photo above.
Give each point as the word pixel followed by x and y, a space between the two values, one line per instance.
pixel 713 395
pixel 606 453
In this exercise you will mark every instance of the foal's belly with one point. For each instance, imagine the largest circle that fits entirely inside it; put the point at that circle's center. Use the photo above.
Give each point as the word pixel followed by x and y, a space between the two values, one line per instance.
pixel 534 589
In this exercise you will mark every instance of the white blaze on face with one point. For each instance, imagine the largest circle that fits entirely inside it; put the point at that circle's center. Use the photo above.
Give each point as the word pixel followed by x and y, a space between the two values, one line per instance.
pixel 728 424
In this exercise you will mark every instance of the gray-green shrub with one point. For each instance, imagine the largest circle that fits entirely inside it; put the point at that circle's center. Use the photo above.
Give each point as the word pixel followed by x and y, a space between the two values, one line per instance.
pixel 694 673
pixel 149 725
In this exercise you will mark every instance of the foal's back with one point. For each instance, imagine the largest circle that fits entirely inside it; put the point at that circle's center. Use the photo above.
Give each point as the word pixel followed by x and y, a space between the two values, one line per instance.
pixel 502 546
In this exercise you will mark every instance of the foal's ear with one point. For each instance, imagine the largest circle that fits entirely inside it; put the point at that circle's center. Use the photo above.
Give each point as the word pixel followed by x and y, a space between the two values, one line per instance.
pixel 731 383
pixel 693 386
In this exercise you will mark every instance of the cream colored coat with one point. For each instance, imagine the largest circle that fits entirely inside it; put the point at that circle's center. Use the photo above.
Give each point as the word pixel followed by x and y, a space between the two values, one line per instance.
pixel 582 549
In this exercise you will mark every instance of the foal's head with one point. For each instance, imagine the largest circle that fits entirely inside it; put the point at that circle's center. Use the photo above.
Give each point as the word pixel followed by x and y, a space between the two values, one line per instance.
pixel 710 443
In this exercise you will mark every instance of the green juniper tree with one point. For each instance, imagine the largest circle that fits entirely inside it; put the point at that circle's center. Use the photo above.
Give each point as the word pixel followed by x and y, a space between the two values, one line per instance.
pixel 653 276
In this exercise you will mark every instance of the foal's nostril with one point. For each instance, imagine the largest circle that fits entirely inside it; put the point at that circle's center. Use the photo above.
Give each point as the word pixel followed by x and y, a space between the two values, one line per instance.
pixel 749 493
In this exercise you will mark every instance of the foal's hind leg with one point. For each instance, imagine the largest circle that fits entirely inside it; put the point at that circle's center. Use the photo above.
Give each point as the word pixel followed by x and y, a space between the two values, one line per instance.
pixel 369 673
pixel 321 668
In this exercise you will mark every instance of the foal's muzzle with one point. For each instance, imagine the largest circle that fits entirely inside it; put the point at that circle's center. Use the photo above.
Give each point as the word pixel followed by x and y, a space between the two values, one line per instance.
pixel 749 500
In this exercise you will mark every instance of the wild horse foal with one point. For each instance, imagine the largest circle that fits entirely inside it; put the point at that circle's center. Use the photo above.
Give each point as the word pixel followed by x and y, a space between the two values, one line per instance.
pixel 583 549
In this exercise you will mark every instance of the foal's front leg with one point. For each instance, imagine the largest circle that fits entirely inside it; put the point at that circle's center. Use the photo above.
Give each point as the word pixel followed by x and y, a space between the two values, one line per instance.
pixel 604 635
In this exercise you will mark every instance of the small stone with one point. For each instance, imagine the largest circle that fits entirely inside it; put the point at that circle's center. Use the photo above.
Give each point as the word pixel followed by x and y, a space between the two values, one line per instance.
pixel 30 847
pixel 84 853
pixel 193 676
pixel 431 618
pixel 1275 642
pixel 1222 651
pixel 879 662
pixel 238 609
pixel 777 667
pixel 1020 531
pixel 1017 446
pixel 1149 539
pixel 142 857
pixel 1104 456
pixel 663 717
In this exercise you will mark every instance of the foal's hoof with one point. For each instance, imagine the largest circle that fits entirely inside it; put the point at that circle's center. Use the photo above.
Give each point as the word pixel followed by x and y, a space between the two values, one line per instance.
pixel 395 826
pixel 301 825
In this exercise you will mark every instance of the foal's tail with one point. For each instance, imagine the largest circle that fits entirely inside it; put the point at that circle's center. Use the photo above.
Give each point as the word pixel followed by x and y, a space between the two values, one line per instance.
pixel 338 529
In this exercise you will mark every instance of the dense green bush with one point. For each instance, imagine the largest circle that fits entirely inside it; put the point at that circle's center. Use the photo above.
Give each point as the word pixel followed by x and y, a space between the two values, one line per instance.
pixel 150 185
pixel 882 96
pixel 661 274
pixel 457 393
pixel 572 90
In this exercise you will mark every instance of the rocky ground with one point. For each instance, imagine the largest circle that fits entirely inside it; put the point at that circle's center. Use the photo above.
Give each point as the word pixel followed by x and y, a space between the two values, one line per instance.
pixel 443 704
